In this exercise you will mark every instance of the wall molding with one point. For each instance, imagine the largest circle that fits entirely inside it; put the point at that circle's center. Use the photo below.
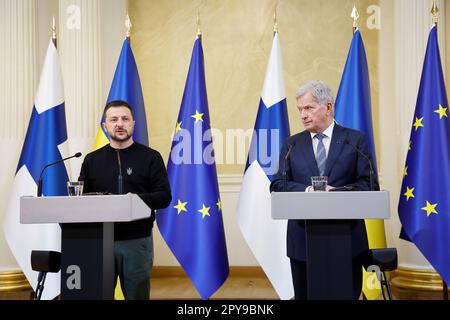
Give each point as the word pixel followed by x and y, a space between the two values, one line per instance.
pixel 230 183
pixel 13 282
pixel 416 284
pixel 235 271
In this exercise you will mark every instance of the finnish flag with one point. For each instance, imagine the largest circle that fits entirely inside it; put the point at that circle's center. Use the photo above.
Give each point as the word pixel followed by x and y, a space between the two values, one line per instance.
pixel 267 237
pixel 45 142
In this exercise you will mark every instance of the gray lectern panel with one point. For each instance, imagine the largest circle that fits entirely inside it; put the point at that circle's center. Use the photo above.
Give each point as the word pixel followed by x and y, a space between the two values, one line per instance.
pixel 107 208
pixel 330 205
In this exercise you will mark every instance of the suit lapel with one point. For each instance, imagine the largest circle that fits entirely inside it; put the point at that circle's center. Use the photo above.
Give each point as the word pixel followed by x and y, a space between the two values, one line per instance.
pixel 306 147
pixel 337 143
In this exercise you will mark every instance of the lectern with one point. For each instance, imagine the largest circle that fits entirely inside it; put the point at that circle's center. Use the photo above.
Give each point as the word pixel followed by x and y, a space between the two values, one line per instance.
pixel 328 234
pixel 87 238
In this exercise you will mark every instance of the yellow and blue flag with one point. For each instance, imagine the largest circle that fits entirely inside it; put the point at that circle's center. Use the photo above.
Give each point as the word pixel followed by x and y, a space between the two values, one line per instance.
pixel 353 109
pixel 192 225
pixel 126 86
pixel 424 205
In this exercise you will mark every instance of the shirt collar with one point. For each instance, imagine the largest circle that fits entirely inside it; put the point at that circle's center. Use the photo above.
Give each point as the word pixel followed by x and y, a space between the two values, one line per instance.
pixel 328 131
pixel 130 147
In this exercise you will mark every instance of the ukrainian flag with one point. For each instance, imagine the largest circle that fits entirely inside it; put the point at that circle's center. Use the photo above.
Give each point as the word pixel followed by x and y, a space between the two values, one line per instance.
pixel 126 86
pixel 353 110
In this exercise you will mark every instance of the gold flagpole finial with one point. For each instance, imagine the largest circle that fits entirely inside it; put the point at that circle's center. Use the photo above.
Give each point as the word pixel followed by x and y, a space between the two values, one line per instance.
pixel 435 13
pixel 128 25
pixel 54 30
pixel 355 16
pixel 275 23
pixel 199 25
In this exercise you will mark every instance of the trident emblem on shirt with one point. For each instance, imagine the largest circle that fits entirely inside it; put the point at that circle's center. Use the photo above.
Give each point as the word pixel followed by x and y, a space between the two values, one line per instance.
pixel 129 171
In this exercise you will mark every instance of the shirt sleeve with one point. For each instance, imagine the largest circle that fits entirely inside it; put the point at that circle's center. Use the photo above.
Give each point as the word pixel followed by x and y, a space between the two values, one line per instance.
pixel 84 173
pixel 159 194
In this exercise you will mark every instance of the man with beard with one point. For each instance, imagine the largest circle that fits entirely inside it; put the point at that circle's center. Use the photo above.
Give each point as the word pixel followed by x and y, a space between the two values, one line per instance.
pixel 143 173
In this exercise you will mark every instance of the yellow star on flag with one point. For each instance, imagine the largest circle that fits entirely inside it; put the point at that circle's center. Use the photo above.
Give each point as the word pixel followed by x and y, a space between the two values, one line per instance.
pixel 178 127
pixel 204 211
pixel 219 205
pixel 418 123
pixel 409 193
pixel 198 116
pixel 442 112
pixel 409 146
pixel 430 208
pixel 405 172
pixel 181 206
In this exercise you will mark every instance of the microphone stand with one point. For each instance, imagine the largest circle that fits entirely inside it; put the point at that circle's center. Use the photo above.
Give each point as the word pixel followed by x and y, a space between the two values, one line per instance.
pixel 368 158
pixel 39 187
pixel 285 168
pixel 40 285
pixel 372 187
pixel 119 180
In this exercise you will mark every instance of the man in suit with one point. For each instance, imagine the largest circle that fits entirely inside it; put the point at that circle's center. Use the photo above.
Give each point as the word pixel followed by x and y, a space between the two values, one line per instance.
pixel 325 149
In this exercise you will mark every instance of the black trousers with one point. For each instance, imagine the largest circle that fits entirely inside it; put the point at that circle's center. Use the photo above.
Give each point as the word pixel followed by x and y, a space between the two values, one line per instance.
pixel 300 281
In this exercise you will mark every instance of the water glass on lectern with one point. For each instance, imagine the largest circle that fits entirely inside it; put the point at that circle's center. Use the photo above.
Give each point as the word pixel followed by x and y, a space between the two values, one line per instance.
pixel 319 183
pixel 75 188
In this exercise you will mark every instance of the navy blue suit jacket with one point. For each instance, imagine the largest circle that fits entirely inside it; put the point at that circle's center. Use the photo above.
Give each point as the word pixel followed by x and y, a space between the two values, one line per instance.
pixel 344 167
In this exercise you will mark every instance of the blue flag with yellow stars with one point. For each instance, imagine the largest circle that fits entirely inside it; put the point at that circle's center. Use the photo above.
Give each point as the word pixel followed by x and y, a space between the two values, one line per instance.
pixel 192 225
pixel 424 206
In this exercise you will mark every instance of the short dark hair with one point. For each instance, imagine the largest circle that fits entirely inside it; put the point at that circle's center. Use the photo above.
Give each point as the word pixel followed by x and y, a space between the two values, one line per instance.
pixel 116 103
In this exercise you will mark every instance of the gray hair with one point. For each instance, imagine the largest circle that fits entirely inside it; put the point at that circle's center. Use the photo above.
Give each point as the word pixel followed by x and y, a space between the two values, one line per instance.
pixel 321 92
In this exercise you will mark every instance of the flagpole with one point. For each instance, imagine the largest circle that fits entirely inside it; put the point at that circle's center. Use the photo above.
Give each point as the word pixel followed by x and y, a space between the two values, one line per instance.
pixel 128 25
pixel 435 13
pixel 199 25
pixel 275 23
pixel 54 33
pixel 355 16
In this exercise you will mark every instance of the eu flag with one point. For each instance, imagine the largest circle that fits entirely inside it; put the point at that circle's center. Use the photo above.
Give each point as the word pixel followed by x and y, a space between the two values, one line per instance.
pixel 126 86
pixel 424 205
pixel 192 225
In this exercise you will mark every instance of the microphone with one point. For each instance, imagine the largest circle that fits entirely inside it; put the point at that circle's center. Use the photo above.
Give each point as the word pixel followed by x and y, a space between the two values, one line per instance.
pixel 285 167
pixel 368 158
pixel 119 179
pixel 39 191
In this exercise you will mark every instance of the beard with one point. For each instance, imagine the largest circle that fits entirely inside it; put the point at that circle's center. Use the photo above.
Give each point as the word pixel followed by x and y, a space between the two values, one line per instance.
pixel 114 136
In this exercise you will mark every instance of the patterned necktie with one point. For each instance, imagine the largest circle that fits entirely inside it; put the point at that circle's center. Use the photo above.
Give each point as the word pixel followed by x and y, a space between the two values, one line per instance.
pixel 321 157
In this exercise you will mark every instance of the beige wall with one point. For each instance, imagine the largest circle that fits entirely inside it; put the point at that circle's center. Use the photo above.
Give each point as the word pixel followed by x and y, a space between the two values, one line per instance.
pixel 237 36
